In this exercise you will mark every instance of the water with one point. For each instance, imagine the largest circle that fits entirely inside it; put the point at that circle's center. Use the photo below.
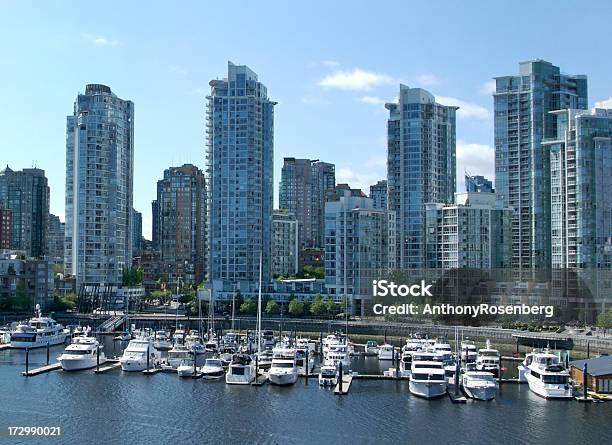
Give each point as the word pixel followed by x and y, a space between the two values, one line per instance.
pixel 121 407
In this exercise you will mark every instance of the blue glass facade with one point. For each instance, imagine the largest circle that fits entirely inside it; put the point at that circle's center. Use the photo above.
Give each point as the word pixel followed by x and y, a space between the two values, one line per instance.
pixel 99 187
pixel 240 174
pixel 421 167
pixel 522 167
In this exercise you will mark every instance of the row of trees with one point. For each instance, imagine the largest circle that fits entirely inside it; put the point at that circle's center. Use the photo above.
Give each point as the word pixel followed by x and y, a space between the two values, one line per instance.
pixel 308 272
pixel 318 307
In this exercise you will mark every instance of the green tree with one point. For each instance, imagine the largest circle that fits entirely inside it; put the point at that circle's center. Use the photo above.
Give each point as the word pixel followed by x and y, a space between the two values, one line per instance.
pixel 604 320
pixel 296 307
pixel 313 272
pixel 133 276
pixel 248 307
pixel 272 308
pixel 331 306
pixel 318 306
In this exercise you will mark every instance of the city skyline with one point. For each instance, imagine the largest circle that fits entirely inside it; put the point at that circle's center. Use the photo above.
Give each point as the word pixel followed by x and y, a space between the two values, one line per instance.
pixel 311 85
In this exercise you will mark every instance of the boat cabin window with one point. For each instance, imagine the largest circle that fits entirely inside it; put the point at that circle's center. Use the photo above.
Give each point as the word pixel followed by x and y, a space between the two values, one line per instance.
pixel 237 370
pixel 555 379
pixel 283 365
pixel 418 376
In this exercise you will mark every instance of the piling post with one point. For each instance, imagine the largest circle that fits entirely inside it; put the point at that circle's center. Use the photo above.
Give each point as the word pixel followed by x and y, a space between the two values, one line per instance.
pixel 385 336
pixel 307 365
pixel 257 366
pixel 457 372
pixel 27 360
pixel 47 353
pixel 499 371
pixel 195 360
pixel 588 349
pixel 148 355
pixel 397 364
pixel 584 380
pixel 340 377
pixel 98 359
pixel 517 347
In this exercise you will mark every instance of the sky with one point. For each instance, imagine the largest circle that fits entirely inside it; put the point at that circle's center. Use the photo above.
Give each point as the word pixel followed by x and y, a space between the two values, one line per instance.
pixel 331 66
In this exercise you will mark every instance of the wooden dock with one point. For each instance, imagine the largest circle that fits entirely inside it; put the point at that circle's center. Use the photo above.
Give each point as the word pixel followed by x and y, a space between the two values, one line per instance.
pixel 42 369
pixel 260 380
pixel 346 385
pixel 109 365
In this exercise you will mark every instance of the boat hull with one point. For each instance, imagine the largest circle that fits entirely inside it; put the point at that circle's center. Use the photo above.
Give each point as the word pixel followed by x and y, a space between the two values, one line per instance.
pixel 40 343
pixel 427 390
pixel 283 379
pixel 548 391
pixel 481 393
pixel 77 364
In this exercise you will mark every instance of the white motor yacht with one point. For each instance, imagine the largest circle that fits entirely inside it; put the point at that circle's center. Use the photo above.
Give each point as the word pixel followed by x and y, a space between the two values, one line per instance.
pixel 38 332
pixel 264 359
pixel 468 352
pixel 212 369
pixel 283 370
pixel 162 341
pixel 479 385
pixel 241 371
pixel 371 347
pixel 385 352
pixel 488 359
pixel 300 360
pixel 406 364
pixel 177 355
pixel 328 376
pixel 134 357
pixel 427 378
pixel 186 368
pixel 545 375
pixel 305 343
pixel 82 353
pixel 211 346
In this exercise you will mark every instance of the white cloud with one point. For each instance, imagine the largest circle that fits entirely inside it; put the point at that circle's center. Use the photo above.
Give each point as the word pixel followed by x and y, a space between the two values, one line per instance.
pixel 427 80
pixel 372 100
pixel 606 103
pixel 467 110
pixel 356 80
pixel 488 87
pixel 100 40
pixel 376 161
pixel 359 180
pixel 330 63
pixel 177 69
pixel 478 159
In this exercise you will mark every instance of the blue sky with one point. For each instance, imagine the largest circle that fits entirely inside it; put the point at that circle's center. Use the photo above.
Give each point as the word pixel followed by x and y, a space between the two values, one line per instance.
pixel 330 65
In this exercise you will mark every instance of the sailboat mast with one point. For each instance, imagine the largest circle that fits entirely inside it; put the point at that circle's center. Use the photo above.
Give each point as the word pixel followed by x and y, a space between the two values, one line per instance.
pixel 259 304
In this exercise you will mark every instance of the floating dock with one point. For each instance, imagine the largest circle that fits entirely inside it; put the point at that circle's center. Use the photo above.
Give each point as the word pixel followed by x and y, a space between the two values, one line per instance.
pixel 151 371
pixel 5 346
pixel 455 398
pixel 109 365
pixel 42 370
pixel 346 385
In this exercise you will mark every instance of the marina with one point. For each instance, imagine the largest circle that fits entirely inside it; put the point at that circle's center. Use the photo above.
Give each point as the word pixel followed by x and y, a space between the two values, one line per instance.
pixel 268 413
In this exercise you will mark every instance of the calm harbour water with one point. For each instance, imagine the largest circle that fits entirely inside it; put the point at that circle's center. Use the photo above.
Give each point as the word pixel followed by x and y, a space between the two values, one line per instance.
pixel 132 408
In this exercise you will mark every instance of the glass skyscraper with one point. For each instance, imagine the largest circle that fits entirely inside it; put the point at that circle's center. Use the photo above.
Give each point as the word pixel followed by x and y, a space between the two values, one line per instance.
pixel 522 166
pixel 378 193
pixel 99 187
pixel 420 167
pixel 581 182
pixel 240 155
pixel 26 194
